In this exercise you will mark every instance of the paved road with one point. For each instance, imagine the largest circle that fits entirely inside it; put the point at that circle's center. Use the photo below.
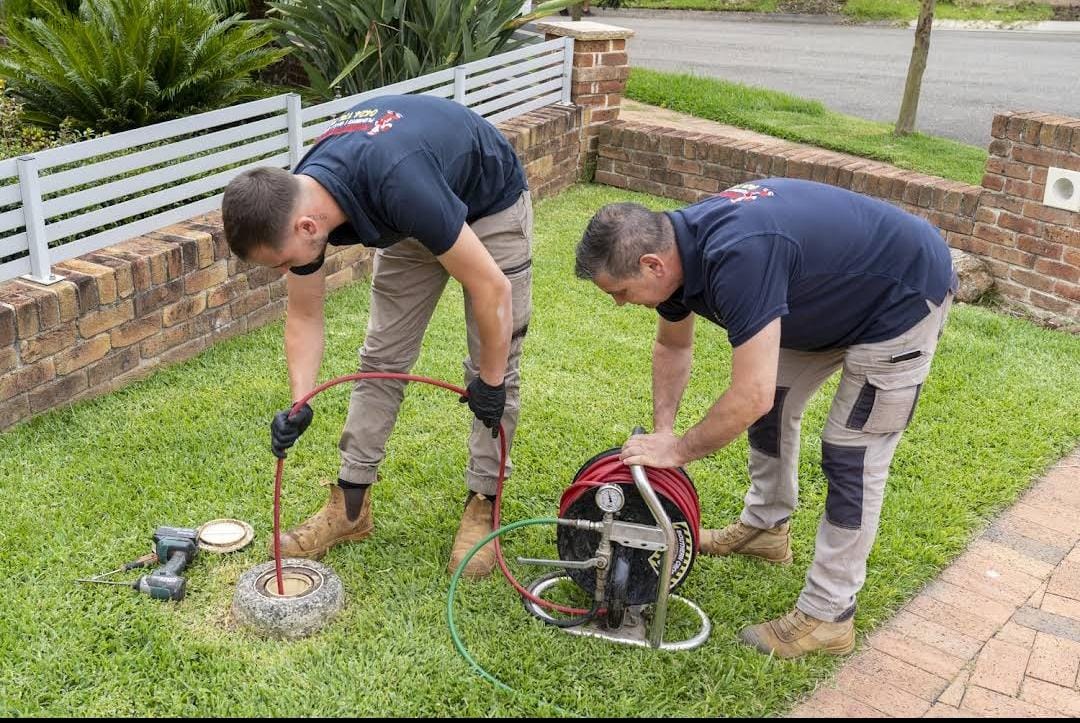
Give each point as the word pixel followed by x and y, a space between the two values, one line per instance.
pixel 860 70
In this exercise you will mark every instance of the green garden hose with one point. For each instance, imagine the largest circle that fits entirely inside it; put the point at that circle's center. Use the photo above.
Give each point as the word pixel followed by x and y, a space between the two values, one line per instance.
pixel 453 589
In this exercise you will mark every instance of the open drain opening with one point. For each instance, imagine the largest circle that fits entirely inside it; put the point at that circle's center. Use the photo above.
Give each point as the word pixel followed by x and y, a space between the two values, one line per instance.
pixel 296 582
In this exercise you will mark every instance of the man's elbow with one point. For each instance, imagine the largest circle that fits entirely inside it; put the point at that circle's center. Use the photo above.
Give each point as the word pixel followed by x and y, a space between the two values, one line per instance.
pixel 761 402
pixel 502 290
pixel 494 294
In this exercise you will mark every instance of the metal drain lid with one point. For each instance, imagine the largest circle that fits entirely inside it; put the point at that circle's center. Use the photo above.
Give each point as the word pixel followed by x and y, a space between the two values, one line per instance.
pixel 225 535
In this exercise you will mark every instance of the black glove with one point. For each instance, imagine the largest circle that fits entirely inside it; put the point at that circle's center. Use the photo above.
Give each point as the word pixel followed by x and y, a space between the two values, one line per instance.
pixel 285 430
pixel 487 403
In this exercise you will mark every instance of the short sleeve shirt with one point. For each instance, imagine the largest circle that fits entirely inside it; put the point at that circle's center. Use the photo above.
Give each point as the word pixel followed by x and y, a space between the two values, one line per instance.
pixel 838 268
pixel 412 166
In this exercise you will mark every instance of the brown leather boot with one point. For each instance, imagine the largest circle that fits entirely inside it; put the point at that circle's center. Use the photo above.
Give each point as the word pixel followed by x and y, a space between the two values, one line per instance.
pixel 326 528
pixel 773 545
pixel 476 523
pixel 797 634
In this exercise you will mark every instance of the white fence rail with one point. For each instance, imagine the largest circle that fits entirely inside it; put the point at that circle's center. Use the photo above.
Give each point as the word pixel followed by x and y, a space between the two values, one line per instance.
pixel 64 202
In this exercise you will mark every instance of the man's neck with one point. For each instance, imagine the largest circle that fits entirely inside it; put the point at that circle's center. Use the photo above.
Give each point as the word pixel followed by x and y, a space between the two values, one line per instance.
pixel 316 202
pixel 672 258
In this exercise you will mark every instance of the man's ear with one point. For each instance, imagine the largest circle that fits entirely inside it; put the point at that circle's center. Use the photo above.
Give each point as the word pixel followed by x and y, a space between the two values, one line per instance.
pixel 653 265
pixel 306 225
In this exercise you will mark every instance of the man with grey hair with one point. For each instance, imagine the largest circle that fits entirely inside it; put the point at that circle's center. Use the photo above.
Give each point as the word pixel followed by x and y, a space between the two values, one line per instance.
pixel 806 279
pixel 440 193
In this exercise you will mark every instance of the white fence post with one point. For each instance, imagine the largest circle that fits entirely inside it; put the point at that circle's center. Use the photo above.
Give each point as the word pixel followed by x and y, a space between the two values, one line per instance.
pixel 460 73
pixel 40 268
pixel 568 69
pixel 296 129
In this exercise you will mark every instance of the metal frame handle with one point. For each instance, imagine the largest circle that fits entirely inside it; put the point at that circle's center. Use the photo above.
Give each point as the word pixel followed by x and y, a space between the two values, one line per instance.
pixel 645 489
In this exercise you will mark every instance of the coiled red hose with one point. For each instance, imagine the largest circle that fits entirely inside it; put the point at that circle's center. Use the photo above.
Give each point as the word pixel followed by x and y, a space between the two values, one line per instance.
pixel 673 484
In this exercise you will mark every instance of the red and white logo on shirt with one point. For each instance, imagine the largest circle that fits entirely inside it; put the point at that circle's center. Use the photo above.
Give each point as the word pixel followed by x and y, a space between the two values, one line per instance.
pixel 746 192
pixel 366 120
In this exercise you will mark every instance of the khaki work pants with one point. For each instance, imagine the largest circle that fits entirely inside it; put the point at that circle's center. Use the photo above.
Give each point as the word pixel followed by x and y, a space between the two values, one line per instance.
pixel 872 407
pixel 406 284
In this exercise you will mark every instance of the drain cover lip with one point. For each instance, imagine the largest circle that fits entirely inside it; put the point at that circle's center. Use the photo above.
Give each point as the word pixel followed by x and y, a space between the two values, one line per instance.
pixel 268 578
pixel 225 535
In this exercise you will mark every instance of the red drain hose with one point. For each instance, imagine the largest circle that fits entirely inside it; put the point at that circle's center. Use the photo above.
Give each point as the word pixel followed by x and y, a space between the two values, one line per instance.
pixel 674 484
pixel 498 490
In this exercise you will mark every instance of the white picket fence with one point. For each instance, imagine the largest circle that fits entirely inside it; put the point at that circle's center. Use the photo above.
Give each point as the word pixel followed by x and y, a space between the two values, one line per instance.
pixel 68 201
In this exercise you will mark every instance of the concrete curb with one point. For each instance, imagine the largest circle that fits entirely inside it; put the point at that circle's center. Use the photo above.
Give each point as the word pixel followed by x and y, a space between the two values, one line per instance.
pixel 1043 26
pixel 603 14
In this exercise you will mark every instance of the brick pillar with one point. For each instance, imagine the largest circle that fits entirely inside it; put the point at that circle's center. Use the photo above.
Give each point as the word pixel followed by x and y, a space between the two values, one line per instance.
pixel 1033 248
pixel 601 68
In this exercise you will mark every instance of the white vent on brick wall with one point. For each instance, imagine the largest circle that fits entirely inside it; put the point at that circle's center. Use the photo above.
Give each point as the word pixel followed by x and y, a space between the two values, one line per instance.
pixel 1062 189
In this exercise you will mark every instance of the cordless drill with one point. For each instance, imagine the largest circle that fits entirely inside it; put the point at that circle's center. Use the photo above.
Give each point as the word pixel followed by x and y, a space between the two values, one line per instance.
pixel 176 547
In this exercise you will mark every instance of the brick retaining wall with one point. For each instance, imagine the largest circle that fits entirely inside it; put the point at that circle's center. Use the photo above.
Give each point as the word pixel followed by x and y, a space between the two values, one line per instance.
pixel 1032 250
pixel 126 310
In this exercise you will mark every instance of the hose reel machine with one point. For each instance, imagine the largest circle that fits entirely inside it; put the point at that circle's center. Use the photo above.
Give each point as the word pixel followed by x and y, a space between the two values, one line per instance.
pixel 627 536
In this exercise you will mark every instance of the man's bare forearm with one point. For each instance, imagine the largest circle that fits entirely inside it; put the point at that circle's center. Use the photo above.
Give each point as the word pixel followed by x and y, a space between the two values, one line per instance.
pixel 754 367
pixel 494 321
pixel 728 417
pixel 489 295
pixel 670 375
pixel 303 352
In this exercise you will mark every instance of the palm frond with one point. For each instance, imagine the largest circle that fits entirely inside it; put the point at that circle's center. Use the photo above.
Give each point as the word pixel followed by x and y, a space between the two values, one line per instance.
pixel 124 63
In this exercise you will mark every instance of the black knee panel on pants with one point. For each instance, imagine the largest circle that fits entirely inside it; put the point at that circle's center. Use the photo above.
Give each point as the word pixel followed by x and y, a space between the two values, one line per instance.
pixel 843 467
pixel 764 434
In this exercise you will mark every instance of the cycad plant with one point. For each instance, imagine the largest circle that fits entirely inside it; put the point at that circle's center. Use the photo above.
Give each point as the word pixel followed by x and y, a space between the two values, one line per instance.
pixel 349 46
pixel 16 9
pixel 120 64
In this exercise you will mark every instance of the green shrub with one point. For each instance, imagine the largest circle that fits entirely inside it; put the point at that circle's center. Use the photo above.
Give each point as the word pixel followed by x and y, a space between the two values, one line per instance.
pixel 19 138
pixel 350 46
pixel 122 64
pixel 225 8
pixel 11 10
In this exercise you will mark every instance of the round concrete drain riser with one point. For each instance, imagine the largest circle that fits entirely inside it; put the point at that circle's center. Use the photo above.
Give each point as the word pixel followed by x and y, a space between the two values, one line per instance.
pixel 313 595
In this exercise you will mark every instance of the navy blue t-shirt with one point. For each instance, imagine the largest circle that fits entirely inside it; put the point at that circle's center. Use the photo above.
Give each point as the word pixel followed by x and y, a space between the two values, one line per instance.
pixel 836 267
pixel 412 165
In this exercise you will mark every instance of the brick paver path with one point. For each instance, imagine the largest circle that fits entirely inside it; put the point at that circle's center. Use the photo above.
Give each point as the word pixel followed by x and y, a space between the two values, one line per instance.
pixel 998 632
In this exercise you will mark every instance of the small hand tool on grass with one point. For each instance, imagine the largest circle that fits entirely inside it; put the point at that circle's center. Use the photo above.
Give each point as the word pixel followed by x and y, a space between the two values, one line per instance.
pixel 148 559
pixel 177 547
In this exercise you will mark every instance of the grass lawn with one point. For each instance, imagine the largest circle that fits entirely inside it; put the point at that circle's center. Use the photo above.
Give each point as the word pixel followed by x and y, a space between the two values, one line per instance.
pixel 863 10
pixel 909 10
pixel 805 121
pixel 84 488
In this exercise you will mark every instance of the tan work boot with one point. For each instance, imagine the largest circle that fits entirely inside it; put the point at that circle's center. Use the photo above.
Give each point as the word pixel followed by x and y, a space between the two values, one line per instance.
pixel 476 523
pixel 326 528
pixel 773 545
pixel 797 633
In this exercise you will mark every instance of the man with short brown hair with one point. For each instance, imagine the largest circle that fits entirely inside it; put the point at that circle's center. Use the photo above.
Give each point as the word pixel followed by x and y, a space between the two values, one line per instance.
pixel 440 192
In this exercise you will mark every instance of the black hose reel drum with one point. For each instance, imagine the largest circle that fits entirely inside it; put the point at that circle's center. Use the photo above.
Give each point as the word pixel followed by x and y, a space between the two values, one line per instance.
pixel 617 525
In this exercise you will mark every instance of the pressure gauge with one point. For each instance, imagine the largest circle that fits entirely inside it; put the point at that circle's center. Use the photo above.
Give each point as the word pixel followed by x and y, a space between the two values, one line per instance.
pixel 609 498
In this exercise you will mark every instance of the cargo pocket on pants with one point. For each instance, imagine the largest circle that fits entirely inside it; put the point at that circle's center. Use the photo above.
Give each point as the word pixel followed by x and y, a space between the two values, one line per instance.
pixel 520 277
pixel 886 401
